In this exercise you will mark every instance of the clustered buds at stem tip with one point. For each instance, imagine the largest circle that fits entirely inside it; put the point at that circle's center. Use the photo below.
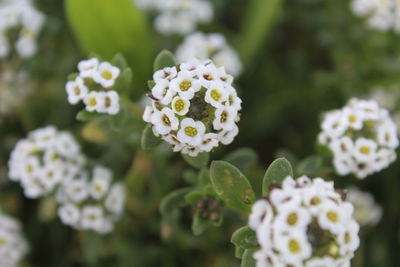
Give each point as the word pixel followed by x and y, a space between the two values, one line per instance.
pixel 194 107
pixel 304 223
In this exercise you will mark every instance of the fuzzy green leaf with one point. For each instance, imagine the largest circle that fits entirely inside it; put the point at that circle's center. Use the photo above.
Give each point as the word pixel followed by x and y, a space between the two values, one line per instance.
pixel 119 61
pixel 199 224
pixel 150 84
pixel 276 172
pixel 232 186
pixel 85 115
pixel 164 59
pixel 204 177
pixel 149 140
pixel 239 252
pixel 247 258
pixel 242 158
pixel 244 237
pixel 194 196
pixel 173 200
pixel 124 81
pixel 198 162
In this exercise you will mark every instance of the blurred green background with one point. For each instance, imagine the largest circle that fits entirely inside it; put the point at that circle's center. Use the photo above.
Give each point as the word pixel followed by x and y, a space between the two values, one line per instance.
pixel 301 57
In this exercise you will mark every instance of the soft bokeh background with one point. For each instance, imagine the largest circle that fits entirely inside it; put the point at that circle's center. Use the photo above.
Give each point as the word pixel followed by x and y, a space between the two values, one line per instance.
pixel 301 57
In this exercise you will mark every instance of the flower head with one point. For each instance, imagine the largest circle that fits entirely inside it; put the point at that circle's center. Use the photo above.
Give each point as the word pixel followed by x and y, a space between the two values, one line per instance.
pixel 361 136
pixel 304 223
pixel 194 108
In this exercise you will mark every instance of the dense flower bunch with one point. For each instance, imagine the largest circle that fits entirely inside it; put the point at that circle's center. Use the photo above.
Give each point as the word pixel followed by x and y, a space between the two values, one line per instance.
pixel 19 18
pixel 304 223
pixel 41 161
pixel 362 137
pixel 194 107
pixel 94 86
pixel 178 16
pixel 203 46
pixel 366 211
pixel 91 204
pixel 13 246
pixel 14 88
pixel 381 15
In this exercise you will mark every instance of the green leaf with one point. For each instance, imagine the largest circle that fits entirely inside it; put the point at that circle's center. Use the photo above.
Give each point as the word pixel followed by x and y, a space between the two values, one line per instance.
pixel 110 27
pixel 244 237
pixel 232 186
pixel 242 158
pixel 150 84
pixel 204 177
pixel 258 21
pixel 194 196
pixel 119 61
pixel 247 258
pixel 85 115
pixel 199 224
pixel 276 172
pixel 164 59
pixel 118 120
pixel 173 200
pixel 149 140
pixel 239 252
pixel 190 176
pixel 198 162
pixel 72 76
pixel 310 166
pixel 124 81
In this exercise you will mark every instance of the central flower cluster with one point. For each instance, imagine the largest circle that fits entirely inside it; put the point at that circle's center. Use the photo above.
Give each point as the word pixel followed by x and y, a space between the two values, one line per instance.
pixel 194 107
pixel 94 86
pixel 94 203
pixel 362 137
pixel 13 246
pixel 304 223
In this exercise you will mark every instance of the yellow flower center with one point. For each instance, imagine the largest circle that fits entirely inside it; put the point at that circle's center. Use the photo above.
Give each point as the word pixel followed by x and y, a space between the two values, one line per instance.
pixel 352 118
pixel 179 105
pixel 332 216
pixel 185 85
pixel 29 168
pixel 92 101
pixel 2 241
pixel 77 90
pixel 98 188
pixel 365 150
pixel 190 131
pixel 106 75
pixel 347 237
pixel 224 116
pixel 292 219
pixel 215 95
pixel 315 201
pixel 107 101
pixel 294 246
pixel 92 217
pixel 166 120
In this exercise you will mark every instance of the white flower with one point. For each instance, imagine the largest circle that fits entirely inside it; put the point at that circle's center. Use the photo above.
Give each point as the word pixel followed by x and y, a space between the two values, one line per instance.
pixel 108 102
pixel 365 149
pixel 51 175
pixel 291 218
pixel 191 132
pixel 216 94
pixel 92 217
pixel 294 247
pixel 261 212
pixel 210 140
pixel 164 121
pixel 76 90
pixel 92 101
pixel 354 118
pixel 344 165
pixel 167 74
pixel 332 217
pixel 106 74
pixel 69 214
pixel 148 112
pixel 334 124
pixel 225 118
pixel 180 105
pixel 163 92
pixel 366 211
pixel 26 46
pixel 343 146
pixel 349 240
pixel 77 190
pixel 87 68
pixel 321 262
pixel 387 135
pixel 100 183
pixel 185 85
pixel 116 199
pixel 226 137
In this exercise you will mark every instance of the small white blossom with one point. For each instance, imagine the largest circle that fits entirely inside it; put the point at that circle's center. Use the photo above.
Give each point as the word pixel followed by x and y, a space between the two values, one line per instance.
pixel 76 90
pixel 87 68
pixel 366 211
pixel 106 74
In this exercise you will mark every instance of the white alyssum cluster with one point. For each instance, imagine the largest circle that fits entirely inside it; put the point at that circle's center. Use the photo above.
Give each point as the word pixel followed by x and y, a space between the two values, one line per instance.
pixel 380 14
pixel 91 202
pixel 14 88
pixel 304 223
pixel 366 211
pixel 44 159
pixel 19 18
pixel 362 137
pixel 94 87
pixel 178 16
pixel 213 46
pixel 194 107
pixel 13 246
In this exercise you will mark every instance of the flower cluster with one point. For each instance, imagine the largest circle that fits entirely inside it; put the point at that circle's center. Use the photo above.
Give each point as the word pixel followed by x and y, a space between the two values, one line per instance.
pixel 362 137
pixel 203 46
pixel 14 88
pixel 19 18
pixel 94 86
pixel 41 161
pixel 366 211
pixel 304 223
pixel 388 98
pixel 194 107
pixel 381 15
pixel 91 204
pixel 178 16
pixel 13 246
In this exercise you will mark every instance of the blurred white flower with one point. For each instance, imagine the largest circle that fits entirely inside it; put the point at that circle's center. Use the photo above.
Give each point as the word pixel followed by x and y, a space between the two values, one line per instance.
pixel 362 137
pixel 289 224
pixel 214 46
pixel 366 211
pixel 195 108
